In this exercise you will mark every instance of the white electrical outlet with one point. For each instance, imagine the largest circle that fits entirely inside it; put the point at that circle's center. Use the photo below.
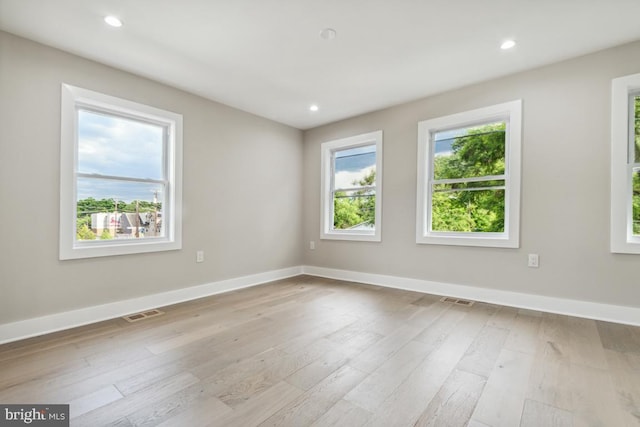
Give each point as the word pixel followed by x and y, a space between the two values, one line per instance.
pixel 534 261
pixel 312 245
pixel 200 256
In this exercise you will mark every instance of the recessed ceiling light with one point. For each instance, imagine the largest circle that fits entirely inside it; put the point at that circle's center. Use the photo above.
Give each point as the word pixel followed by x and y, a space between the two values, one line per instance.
pixel 313 107
pixel 328 34
pixel 507 44
pixel 113 21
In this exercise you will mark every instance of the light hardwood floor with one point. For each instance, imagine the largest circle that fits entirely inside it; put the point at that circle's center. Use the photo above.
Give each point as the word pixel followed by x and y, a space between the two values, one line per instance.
pixel 315 352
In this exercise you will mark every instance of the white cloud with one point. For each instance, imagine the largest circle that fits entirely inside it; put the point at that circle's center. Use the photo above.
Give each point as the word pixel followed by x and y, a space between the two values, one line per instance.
pixel 345 179
pixel 115 146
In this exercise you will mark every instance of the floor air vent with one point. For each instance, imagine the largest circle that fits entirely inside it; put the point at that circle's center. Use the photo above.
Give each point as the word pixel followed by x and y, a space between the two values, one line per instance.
pixel 144 315
pixel 457 301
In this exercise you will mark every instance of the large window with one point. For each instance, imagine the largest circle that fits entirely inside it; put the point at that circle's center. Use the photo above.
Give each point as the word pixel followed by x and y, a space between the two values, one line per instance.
pixel 469 178
pixel 352 188
pixel 120 176
pixel 625 165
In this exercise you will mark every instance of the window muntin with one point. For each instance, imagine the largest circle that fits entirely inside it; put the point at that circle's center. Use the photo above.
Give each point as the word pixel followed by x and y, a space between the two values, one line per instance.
pixel 121 167
pixel 351 188
pixel 469 178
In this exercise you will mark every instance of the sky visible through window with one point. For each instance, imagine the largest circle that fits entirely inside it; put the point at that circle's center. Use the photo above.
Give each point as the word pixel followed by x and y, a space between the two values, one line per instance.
pixel 444 141
pixel 353 165
pixel 116 146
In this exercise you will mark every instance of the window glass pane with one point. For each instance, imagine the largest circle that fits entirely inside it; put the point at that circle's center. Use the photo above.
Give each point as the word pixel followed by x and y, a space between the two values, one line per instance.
pixel 468 211
pixel 636 202
pixel 355 167
pixel 111 209
pixel 469 152
pixel 115 146
pixel 637 128
pixel 354 210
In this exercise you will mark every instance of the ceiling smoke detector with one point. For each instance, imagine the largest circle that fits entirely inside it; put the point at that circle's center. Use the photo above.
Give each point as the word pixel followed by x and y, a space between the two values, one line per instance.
pixel 328 34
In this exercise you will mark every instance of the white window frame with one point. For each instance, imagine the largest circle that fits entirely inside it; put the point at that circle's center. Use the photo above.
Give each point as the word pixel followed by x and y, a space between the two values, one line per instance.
pixel 511 113
pixel 74 98
pixel 622 164
pixel 327 187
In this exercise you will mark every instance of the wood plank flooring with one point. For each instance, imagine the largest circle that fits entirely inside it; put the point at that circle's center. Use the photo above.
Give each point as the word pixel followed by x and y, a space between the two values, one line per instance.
pixel 315 352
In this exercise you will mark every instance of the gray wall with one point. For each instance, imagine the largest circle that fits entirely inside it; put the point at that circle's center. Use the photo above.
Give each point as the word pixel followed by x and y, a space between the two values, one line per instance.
pixel 242 190
pixel 565 188
pixel 247 207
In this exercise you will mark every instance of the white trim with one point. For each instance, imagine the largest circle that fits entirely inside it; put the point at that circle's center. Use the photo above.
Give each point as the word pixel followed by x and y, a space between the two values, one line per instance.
pixel 590 310
pixel 70 319
pixel 511 112
pixel 69 248
pixel 622 239
pixel 326 203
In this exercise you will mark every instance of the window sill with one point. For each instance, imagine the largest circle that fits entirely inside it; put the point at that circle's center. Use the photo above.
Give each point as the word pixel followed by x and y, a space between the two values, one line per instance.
pixel 629 247
pixel 352 236
pixel 101 249
pixel 475 241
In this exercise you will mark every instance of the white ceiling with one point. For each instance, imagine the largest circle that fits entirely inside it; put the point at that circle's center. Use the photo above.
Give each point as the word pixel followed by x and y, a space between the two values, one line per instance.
pixel 266 56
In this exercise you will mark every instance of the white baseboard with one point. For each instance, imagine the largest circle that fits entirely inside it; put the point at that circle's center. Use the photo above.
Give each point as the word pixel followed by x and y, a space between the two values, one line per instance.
pixel 70 319
pixel 56 322
pixel 590 310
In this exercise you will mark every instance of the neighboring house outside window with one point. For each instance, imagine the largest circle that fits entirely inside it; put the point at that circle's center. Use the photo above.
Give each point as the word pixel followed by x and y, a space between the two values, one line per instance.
pixel 625 165
pixel 469 178
pixel 352 188
pixel 121 176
